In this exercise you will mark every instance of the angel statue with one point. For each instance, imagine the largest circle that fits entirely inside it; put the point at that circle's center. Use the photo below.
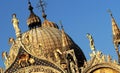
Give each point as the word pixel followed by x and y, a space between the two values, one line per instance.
pixel 15 23
pixel 92 46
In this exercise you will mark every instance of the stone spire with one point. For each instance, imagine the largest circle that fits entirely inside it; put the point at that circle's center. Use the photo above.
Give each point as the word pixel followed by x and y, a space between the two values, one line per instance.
pixel 66 42
pixel 116 35
pixel 115 30
pixel 33 20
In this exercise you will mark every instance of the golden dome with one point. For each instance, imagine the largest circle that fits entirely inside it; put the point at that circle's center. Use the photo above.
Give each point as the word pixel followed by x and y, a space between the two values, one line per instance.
pixel 43 41
pixel 47 42
pixel 33 20
pixel 47 23
pixel 46 37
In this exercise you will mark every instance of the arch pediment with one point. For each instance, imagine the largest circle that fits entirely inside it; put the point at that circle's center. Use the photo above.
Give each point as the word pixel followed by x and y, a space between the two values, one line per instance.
pixel 25 61
pixel 103 68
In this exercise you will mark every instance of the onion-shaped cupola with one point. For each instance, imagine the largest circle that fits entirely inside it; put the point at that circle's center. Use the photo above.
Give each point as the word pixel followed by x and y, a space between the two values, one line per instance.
pixel 33 20
pixel 46 23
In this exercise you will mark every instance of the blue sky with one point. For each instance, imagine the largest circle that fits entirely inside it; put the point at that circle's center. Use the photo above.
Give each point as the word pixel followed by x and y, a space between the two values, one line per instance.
pixel 78 18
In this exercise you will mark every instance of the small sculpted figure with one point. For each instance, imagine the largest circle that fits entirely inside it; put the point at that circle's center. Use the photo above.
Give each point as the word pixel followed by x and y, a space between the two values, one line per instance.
pixel 15 23
pixel 92 45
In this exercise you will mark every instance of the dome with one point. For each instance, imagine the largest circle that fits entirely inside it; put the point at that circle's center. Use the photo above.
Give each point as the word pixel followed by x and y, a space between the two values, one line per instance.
pixel 33 20
pixel 46 37
pixel 43 41
pixel 47 23
pixel 47 43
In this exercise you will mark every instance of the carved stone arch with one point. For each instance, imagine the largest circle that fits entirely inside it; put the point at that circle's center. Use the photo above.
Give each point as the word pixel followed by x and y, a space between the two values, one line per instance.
pixel 103 68
pixel 25 59
pixel 69 56
pixel 38 69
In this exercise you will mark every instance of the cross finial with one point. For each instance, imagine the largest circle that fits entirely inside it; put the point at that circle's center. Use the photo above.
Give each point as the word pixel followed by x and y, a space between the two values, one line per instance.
pixel 42 5
pixel 109 11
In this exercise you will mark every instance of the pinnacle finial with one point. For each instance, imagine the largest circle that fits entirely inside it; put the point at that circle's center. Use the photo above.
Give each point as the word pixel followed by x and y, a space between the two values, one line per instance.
pixel 30 6
pixel 33 21
pixel 116 37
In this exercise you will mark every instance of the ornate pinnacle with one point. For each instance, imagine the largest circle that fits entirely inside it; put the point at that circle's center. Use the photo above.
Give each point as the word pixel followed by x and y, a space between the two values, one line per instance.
pixel 116 35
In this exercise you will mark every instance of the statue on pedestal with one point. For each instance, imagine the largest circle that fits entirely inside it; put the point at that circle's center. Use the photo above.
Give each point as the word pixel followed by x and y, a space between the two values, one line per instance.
pixel 15 23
